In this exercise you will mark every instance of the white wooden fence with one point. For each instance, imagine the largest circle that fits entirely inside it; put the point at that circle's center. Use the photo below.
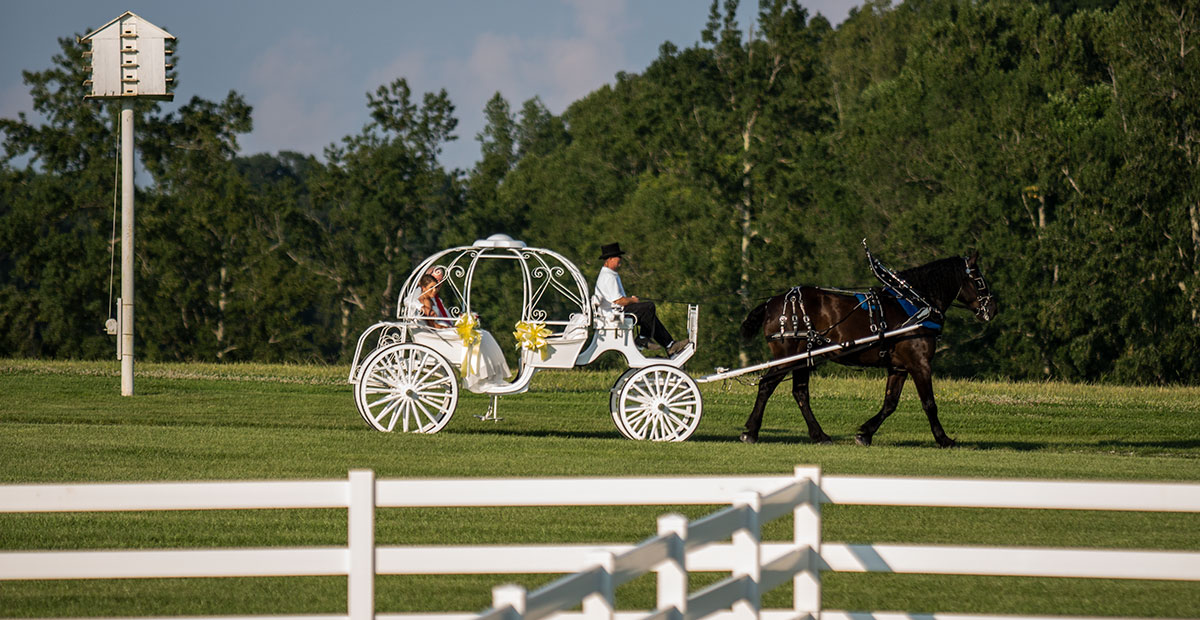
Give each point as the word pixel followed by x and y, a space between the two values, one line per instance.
pixel 679 547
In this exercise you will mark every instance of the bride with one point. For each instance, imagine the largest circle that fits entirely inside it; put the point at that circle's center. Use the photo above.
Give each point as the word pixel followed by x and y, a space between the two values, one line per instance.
pixel 485 365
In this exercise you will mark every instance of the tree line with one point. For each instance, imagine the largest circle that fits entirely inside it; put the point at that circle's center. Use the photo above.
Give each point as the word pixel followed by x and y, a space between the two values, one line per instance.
pixel 1059 139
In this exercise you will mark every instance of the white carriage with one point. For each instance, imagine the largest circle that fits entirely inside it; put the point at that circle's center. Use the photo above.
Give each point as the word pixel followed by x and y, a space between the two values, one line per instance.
pixel 406 373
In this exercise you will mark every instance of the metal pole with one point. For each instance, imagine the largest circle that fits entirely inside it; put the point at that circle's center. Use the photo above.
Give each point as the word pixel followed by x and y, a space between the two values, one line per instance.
pixel 126 335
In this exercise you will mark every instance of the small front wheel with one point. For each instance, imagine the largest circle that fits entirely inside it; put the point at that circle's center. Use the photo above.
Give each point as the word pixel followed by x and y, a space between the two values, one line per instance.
pixel 657 403
pixel 409 386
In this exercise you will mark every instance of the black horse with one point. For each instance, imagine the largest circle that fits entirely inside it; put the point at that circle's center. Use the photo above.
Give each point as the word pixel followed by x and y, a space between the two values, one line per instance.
pixel 808 318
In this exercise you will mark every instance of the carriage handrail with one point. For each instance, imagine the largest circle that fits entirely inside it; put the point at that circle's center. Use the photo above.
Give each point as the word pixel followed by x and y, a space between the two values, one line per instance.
pixel 833 348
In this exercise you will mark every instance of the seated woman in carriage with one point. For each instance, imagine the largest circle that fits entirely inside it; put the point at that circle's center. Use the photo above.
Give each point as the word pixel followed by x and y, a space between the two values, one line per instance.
pixel 485 364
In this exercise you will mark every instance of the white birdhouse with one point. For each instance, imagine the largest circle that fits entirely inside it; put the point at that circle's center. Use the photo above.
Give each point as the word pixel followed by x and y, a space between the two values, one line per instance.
pixel 129 59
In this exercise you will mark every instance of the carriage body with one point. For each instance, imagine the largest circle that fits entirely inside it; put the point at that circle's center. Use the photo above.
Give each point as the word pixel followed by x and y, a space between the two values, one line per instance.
pixel 406 371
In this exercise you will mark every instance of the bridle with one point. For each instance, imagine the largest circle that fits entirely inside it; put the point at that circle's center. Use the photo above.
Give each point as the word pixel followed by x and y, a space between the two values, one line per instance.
pixel 983 294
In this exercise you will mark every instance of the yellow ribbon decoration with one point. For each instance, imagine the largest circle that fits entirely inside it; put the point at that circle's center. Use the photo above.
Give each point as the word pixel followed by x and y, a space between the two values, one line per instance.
pixel 466 328
pixel 531 336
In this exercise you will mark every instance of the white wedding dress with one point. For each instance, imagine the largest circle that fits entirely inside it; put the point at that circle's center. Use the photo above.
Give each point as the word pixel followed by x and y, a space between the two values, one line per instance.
pixel 484 365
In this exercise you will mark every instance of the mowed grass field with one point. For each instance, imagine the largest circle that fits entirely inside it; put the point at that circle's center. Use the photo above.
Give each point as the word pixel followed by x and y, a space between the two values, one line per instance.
pixel 66 422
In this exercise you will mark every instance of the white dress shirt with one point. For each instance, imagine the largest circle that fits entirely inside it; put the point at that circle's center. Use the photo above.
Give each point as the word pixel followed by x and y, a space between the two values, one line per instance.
pixel 608 289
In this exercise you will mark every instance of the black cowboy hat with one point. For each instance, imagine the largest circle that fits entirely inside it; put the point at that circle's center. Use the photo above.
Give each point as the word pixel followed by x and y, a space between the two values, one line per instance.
pixel 610 250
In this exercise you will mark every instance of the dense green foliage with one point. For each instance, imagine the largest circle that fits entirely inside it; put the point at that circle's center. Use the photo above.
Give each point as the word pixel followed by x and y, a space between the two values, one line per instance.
pixel 1060 139
pixel 65 422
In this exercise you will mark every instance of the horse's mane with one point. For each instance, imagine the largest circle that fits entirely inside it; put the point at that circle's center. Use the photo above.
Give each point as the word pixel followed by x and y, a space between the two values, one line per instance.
pixel 938 281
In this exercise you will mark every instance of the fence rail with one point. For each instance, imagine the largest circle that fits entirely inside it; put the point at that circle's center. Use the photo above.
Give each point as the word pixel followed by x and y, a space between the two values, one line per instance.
pixel 728 540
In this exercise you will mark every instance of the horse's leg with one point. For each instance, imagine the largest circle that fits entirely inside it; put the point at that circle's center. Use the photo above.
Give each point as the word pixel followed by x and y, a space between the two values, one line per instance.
pixel 800 393
pixel 766 387
pixel 923 379
pixel 891 397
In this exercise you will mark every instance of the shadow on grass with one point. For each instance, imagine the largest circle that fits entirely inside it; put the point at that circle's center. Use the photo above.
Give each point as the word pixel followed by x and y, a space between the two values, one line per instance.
pixel 1179 444
pixel 613 434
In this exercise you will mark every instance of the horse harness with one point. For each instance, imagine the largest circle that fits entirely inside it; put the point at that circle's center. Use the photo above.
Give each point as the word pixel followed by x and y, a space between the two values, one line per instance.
pixel 793 310
pixel 794 313
pixel 915 306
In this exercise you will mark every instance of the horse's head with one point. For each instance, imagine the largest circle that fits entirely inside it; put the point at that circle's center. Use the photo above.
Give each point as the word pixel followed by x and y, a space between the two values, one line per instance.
pixel 974 292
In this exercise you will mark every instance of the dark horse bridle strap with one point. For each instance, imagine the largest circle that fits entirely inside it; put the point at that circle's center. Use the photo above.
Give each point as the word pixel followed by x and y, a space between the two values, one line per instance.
pixel 983 294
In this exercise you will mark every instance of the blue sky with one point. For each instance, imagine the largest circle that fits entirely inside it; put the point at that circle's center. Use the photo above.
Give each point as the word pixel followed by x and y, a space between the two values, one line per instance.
pixel 306 66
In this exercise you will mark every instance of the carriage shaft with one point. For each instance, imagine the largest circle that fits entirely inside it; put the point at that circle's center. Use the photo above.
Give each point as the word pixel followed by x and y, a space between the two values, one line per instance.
pixel 833 348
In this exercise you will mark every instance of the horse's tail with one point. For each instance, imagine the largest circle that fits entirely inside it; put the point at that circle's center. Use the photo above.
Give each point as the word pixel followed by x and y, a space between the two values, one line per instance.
pixel 754 321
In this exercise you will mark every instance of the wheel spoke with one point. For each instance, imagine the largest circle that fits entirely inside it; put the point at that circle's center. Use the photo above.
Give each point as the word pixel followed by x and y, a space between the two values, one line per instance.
pixel 639 399
pixel 637 423
pixel 392 396
pixel 432 368
pixel 641 389
pixel 637 416
pixel 406 409
pixel 433 398
pixel 432 420
pixel 376 380
pixel 656 429
pixel 679 386
pixel 389 409
pixel 409 362
pixel 678 424
pixel 426 387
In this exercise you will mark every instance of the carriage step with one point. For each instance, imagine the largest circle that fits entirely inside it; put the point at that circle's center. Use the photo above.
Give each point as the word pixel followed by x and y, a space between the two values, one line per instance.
pixel 492 410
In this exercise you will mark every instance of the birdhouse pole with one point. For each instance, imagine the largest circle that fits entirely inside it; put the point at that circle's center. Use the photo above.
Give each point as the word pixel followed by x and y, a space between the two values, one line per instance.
pixel 128 57
pixel 125 323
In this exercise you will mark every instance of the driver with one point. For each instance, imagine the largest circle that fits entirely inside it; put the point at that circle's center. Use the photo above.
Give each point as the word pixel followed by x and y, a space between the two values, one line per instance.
pixel 610 294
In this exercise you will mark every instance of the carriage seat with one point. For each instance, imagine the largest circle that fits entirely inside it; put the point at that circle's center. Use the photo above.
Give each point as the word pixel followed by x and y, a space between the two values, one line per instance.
pixel 613 320
pixel 444 340
pixel 575 329
pixel 562 345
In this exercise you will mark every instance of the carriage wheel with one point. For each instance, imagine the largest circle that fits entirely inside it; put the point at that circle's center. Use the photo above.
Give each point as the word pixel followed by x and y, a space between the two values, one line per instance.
pixel 614 399
pixel 406 387
pixel 658 403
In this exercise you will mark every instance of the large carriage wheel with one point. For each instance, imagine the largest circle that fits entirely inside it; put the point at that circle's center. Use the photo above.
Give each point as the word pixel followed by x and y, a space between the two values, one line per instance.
pixel 407 387
pixel 658 403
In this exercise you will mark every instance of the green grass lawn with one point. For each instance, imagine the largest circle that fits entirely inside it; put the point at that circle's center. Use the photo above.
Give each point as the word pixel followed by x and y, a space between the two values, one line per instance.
pixel 66 422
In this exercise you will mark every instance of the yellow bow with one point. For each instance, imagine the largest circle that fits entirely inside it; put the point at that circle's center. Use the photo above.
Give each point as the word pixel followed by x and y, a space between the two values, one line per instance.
pixel 531 336
pixel 466 326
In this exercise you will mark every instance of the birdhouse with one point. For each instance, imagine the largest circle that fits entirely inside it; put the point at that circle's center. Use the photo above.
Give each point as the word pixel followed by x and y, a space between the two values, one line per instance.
pixel 129 59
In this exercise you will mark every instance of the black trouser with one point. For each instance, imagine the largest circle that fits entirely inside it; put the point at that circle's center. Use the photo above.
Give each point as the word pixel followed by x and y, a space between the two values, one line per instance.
pixel 650 328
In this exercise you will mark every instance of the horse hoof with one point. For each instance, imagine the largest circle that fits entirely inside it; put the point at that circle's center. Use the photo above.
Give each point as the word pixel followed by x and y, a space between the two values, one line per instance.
pixel 862 440
pixel 748 438
pixel 824 441
pixel 947 443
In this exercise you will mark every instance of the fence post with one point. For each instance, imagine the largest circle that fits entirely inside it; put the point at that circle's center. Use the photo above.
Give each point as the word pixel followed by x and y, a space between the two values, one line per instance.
pixel 510 595
pixel 601 605
pixel 747 551
pixel 361 545
pixel 806 597
pixel 672 574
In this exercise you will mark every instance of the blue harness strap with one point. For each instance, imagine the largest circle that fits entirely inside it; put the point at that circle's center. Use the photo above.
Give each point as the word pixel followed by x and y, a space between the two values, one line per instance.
pixel 910 309
pixel 870 304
